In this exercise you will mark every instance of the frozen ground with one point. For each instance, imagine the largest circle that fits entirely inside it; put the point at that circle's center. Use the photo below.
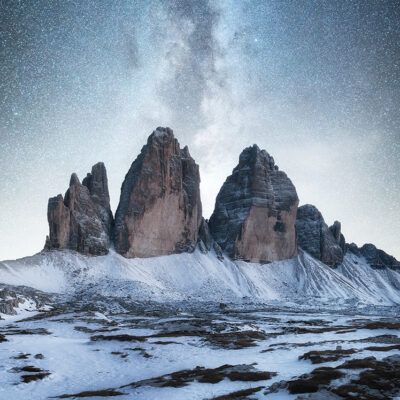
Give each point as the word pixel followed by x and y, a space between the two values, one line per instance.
pixel 153 353
pixel 192 327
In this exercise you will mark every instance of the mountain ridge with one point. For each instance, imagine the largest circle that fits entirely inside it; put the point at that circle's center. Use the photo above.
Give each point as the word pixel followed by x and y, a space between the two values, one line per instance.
pixel 256 216
pixel 257 246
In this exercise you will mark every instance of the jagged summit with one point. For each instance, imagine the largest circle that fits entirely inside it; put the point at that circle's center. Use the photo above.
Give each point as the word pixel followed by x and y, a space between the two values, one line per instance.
pixel 375 257
pixel 256 216
pixel 96 182
pixel 74 180
pixel 255 210
pixel 254 154
pixel 324 243
pixel 160 209
pixel 82 220
pixel 161 131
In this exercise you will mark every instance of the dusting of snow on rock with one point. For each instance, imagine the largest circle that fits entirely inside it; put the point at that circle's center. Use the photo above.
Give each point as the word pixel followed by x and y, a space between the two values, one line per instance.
pixel 204 277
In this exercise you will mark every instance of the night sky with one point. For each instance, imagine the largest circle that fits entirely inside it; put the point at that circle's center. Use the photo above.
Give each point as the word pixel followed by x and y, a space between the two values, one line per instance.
pixel 315 83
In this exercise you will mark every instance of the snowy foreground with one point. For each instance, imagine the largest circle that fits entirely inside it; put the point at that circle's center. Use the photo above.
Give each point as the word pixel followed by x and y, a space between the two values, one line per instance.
pixel 191 326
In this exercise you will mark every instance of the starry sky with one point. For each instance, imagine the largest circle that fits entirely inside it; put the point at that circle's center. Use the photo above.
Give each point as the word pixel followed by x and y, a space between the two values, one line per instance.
pixel 315 82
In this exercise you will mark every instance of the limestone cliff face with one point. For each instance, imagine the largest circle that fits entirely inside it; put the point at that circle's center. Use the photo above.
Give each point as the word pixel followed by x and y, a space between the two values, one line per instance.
pixel 327 244
pixel 255 211
pixel 159 212
pixel 82 220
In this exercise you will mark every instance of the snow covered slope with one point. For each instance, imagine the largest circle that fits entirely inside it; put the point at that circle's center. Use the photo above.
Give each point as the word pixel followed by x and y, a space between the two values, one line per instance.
pixel 380 284
pixel 203 277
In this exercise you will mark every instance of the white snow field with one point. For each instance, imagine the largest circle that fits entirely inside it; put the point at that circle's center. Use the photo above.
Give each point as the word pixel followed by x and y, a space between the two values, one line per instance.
pixel 202 277
pixel 99 327
pixel 89 352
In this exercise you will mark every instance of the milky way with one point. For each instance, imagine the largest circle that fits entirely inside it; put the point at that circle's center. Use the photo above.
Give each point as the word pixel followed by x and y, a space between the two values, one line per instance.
pixel 315 83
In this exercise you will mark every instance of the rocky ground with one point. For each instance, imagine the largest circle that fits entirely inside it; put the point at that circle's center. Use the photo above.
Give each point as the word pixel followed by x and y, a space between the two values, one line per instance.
pixel 182 351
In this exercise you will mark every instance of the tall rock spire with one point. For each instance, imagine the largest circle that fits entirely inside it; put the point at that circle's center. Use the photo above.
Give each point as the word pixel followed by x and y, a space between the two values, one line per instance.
pixel 97 183
pixel 82 220
pixel 160 211
pixel 255 210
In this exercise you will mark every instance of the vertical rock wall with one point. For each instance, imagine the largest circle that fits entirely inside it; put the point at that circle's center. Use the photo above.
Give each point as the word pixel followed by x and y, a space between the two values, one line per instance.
pixel 160 211
pixel 255 211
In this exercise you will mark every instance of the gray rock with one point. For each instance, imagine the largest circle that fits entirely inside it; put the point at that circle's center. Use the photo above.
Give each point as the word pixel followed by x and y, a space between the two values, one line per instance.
pixel 353 248
pixel 205 235
pixel 336 229
pixel 376 258
pixel 202 246
pixel 160 211
pixel 9 301
pixel 218 251
pixel 314 236
pixel 82 220
pixel 255 211
pixel 13 298
pixel 393 359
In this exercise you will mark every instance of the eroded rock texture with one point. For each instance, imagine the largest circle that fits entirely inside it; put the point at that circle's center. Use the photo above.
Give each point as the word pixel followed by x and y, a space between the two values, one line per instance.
pixel 160 210
pixel 204 238
pixel 255 211
pixel 375 257
pixel 82 220
pixel 327 244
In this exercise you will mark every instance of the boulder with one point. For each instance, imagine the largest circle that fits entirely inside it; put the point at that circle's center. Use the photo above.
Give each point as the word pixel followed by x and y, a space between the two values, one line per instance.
pixel 160 211
pixel 255 211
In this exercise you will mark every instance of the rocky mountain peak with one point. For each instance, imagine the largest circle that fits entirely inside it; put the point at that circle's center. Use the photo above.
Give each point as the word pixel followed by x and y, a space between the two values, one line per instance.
pixel 161 137
pixel 81 220
pixel 376 258
pixel 327 244
pixel 256 216
pixel 308 212
pixel 252 156
pixel 160 209
pixel 74 180
pixel 336 229
pixel 97 183
pixel 255 210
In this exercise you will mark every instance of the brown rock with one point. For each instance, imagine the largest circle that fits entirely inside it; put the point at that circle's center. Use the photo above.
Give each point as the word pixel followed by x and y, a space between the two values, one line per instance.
pixel 255 211
pixel 159 212
pixel 82 220
pixel 97 183
pixel 58 216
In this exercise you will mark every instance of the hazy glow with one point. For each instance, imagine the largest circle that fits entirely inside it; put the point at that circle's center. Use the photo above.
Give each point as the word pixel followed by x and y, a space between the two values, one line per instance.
pixel 315 83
